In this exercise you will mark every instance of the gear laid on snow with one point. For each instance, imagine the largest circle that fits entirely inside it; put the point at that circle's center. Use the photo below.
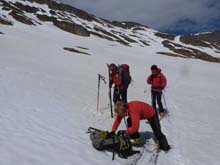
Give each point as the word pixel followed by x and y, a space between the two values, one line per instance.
pixel 104 140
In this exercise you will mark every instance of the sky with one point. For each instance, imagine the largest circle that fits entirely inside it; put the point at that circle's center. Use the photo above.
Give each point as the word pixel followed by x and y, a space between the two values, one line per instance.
pixel 174 16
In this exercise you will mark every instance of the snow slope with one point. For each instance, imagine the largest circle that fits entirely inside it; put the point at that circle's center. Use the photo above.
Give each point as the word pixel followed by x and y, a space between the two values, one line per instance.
pixel 48 99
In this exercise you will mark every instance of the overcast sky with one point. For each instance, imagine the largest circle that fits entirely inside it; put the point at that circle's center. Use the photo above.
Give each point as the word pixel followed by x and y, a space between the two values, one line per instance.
pixel 177 16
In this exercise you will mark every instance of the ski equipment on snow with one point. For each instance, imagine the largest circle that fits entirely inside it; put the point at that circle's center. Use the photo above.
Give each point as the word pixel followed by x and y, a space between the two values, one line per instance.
pixel 110 91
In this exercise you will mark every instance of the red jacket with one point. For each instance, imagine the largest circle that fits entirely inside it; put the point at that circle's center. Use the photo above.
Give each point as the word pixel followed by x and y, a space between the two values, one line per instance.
pixel 158 81
pixel 115 79
pixel 137 111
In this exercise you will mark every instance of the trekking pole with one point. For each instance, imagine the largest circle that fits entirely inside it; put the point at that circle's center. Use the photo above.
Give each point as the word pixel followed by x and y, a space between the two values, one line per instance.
pixel 110 92
pixel 146 89
pixel 100 77
pixel 168 114
pixel 164 100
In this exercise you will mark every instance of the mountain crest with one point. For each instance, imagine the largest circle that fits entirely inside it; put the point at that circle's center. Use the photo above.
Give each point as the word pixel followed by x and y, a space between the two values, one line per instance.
pixel 79 22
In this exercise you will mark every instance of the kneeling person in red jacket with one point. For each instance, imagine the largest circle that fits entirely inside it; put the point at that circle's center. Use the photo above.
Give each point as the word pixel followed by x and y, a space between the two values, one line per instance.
pixel 137 111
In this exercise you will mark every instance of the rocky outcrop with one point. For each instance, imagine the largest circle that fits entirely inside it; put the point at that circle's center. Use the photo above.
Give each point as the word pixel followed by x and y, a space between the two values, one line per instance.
pixel 189 52
pixel 43 17
pixel 193 40
pixel 171 54
pixel 213 38
pixel 5 21
pixel 26 8
pixel 209 40
pixel 76 51
pixel 112 36
pixel 127 24
pixel 21 18
pixel 40 1
pixel 72 28
pixel 165 36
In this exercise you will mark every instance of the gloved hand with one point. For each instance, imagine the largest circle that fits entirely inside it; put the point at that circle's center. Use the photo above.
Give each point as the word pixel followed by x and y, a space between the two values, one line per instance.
pixel 111 134
pixel 121 132
pixel 110 83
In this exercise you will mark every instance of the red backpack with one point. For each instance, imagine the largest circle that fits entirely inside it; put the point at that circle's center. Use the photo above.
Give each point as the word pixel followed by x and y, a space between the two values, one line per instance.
pixel 124 74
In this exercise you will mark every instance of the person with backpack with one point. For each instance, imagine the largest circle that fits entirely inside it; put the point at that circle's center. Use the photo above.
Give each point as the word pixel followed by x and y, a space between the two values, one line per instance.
pixel 158 82
pixel 120 77
pixel 137 111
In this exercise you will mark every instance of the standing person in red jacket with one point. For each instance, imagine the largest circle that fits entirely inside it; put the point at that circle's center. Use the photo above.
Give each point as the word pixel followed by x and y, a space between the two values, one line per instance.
pixel 120 87
pixel 158 82
pixel 136 111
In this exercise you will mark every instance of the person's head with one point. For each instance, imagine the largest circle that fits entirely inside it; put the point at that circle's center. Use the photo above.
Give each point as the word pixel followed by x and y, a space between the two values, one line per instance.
pixel 120 108
pixel 113 68
pixel 154 69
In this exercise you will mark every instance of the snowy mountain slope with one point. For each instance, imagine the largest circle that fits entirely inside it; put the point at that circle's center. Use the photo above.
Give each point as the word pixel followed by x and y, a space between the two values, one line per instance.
pixel 39 12
pixel 48 98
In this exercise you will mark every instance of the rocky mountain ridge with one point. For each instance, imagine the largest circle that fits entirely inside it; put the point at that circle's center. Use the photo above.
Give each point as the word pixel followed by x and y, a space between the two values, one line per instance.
pixel 79 22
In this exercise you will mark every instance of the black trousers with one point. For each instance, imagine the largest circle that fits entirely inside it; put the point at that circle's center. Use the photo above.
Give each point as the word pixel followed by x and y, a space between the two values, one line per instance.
pixel 155 125
pixel 156 98
pixel 120 94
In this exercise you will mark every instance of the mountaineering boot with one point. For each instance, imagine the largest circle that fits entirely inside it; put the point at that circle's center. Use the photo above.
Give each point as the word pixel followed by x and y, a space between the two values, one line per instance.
pixel 135 141
pixel 164 144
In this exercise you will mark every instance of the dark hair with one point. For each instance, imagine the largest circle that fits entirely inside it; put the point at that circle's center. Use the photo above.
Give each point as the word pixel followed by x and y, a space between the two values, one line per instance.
pixel 113 68
pixel 154 67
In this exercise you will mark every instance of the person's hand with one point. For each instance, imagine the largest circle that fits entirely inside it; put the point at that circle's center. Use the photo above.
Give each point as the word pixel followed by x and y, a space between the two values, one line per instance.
pixel 110 84
pixel 111 134
pixel 121 132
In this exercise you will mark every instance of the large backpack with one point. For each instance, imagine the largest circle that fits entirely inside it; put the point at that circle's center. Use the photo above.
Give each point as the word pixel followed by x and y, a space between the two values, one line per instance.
pixel 124 73
pixel 103 140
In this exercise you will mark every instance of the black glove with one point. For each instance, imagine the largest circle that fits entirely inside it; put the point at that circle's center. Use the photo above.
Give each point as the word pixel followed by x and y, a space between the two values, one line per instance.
pixel 110 84
pixel 121 132
pixel 111 134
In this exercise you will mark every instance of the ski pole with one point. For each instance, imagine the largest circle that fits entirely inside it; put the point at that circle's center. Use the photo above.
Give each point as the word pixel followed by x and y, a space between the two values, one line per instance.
pixel 164 100
pixel 146 89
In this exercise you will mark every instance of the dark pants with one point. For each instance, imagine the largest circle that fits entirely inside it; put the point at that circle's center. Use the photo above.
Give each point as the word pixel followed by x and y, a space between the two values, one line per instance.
pixel 156 98
pixel 120 94
pixel 129 124
pixel 155 125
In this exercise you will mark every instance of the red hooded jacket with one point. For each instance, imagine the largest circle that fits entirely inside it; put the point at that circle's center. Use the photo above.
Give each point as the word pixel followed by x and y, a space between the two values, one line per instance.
pixel 137 111
pixel 115 79
pixel 158 81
